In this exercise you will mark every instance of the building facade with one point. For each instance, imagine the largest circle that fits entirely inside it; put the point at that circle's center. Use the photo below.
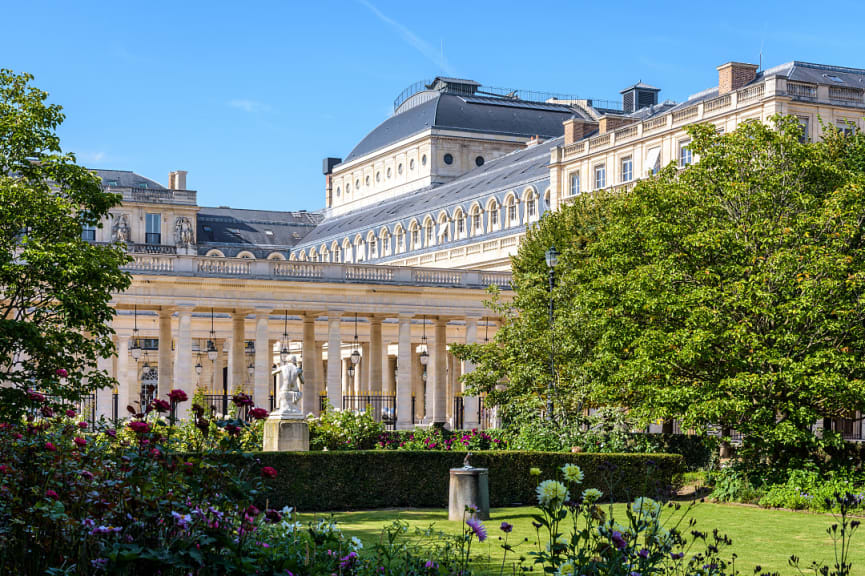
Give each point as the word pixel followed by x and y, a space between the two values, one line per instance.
pixel 420 217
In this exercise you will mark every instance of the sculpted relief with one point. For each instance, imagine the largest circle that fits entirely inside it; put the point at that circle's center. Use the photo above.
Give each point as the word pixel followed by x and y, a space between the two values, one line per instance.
pixel 183 235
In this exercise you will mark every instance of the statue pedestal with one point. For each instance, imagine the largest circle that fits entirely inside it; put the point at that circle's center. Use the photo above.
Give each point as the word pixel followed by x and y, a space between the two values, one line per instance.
pixel 283 434
pixel 469 486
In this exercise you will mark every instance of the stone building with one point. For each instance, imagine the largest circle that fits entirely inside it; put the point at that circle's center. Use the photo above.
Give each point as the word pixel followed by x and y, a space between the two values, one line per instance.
pixel 418 219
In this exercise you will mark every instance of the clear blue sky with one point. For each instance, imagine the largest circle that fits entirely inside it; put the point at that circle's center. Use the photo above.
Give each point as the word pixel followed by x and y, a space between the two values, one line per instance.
pixel 250 96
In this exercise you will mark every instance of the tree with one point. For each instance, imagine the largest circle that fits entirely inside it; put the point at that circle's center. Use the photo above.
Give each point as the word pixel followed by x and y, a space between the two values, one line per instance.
pixel 55 288
pixel 728 293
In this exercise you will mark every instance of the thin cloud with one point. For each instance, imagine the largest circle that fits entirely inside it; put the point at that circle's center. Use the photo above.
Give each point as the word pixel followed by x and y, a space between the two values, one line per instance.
pixel 249 106
pixel 425 48
pixel 91 157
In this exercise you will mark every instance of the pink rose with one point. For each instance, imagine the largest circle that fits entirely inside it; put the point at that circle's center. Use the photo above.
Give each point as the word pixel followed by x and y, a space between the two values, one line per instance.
pixel 178 396
pixel 269 472
pixel 80 442
pixel 82 425
pixel 62 372
pixel 50 447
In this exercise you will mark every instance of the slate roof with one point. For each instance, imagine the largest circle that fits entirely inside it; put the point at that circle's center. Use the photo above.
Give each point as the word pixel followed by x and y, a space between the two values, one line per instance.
pixel 509 172
pixel 249 228
pixel 479 114
pixel 817 74
pixel 127 179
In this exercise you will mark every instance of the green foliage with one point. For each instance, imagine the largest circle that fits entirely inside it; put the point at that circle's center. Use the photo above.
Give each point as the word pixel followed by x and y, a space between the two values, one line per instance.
pixel 442 439
pixel 54 287
pixel 384 478
pixel 727 293
pixel 344 430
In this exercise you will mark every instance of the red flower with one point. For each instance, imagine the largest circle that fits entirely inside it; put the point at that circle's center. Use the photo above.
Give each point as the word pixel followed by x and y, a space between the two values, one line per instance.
pixel 47 411
pixel 111 432
pixel 252 511
pixel 161 405
pixel 4 469
pixel 62 372
pixel 178 396
pixel 155 453
pixel 268 472
pixel 242 400
pixel 232 430
pixel 51 494
pixel 34 395
pixel 80 442
pixel 50 447
pixel 138 426
pixel 71 413
pixel 272 516
pixel 82 425
pixel 259 413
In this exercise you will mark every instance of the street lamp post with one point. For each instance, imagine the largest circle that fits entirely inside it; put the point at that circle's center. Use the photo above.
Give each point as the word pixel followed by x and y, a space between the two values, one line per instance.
pixel 552 258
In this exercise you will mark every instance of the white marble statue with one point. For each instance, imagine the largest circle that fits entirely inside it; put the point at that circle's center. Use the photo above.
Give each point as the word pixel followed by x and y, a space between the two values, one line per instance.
pixel 120 229
pixel 183 232
pixel 289 394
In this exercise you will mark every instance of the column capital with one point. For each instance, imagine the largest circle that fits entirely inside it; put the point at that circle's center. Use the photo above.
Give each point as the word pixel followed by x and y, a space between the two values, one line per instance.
pixel 262 309
pixel 406 316
pixel 474 316
pixel 334 314
pixel 240 312
pixel 166 311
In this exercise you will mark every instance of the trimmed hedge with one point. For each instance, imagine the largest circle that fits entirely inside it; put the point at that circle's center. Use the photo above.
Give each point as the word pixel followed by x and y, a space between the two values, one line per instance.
pixel 317 481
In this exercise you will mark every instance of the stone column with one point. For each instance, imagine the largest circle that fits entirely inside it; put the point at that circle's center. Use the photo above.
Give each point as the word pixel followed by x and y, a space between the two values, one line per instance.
pixel 164 367
pixel 238 343
pixel 122 374
pixel 334 366
pixel 404 378
pixel 321 371
pixel 104 395
pixel 417 385
pixel 388 377
pixel 374 360
pixel 362 370
pixel 438 358
pixel 183 379
pixel 347 381
pixel 470 403
pixel 215 386
pixel 311 367
pixel 133 386
pixel 263 358
pixel 229 363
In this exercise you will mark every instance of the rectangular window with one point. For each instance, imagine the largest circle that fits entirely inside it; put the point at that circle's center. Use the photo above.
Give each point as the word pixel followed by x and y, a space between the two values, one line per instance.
pixel 415 238
pixel 804 121
pixel 429 235
pixel 600 176
pixel 494 217
pixel 847 127
pixel 512 212
pixel 476 223
pixel 88 233
pixel 153 229
pixel 575 184
pixel 530 207
pixel 627 169
pixel 684 153
pixel 461 226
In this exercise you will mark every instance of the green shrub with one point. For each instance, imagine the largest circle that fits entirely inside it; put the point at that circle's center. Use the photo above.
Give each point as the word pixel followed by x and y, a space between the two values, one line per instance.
pixel 344 430
pixel 313 481
pixel 443 439
pixel 809 490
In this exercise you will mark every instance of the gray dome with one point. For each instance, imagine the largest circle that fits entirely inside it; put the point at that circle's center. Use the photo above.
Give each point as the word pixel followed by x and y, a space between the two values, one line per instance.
pixel 469 113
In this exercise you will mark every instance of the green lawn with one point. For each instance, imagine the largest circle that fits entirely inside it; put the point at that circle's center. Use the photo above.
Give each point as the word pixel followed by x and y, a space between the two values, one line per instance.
pixel 760 537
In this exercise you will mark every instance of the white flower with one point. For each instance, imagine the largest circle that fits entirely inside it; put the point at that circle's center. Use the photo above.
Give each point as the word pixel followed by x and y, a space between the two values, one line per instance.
pixel 567 569
pixel 646 507
pixel 356 544
pixel 572 473
pixel 552 493
pixel 592 495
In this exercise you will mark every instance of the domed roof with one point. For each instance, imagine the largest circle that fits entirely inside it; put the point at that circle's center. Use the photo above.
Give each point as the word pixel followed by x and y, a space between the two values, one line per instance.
pixel 469 113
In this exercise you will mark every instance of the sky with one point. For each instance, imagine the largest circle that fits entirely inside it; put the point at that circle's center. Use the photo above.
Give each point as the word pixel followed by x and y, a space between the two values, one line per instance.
pixel 249 97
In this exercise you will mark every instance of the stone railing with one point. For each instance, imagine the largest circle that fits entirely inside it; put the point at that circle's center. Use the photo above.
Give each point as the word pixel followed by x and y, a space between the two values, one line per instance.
pixel 149 196
pixel 200 266
pixel 751 93
pixel 629 132
pixel 599 141
pixel 717 103
pixel 685 114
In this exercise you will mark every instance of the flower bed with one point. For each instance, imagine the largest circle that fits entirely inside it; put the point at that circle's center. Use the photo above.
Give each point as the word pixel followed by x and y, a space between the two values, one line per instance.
pixel 401 478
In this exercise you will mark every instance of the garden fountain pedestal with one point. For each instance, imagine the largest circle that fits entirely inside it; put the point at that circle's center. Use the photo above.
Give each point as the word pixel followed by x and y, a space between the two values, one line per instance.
pixel 285 434
pixel 469 486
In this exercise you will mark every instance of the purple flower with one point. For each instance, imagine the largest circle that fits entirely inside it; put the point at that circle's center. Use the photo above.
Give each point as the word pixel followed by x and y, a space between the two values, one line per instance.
pixel 644 553
pixel 506 528
pixel 431 565
pixel 477 528
pixel 677 555
pixel 617 539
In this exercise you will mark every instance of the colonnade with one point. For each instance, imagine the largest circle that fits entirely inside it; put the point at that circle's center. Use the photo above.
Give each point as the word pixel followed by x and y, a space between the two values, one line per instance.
pixel 403 357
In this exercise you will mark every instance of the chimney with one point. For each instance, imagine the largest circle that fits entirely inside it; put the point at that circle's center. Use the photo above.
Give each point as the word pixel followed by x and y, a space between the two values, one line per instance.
pixel 177 180
pixel 533 141
pixel 734 75
pixel 608 123
pixel 577 128
pixel 327 169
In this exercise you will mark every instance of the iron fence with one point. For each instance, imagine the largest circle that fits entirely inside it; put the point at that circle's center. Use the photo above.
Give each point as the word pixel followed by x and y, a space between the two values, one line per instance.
pixel 85 406
pixel 382 408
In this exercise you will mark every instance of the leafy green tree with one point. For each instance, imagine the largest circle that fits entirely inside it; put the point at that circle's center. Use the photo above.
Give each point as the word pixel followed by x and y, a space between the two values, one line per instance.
pixel 728 293
pixel 55 288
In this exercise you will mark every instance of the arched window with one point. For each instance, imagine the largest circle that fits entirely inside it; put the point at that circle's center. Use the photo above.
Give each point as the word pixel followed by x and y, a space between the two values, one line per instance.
pixel 325 254
pixel 511 211
pixel 347 252
pixel 414 232
pixel 477 220
pixel 493 211
pixel 336 250
pixel 444 228
pixel 372 245
pixel 313 255
pixel 215 254
pixel 386 246
pixel 359 249
pixel 459 224
pixel 246 255
pixel 275 256
pixel 400 239
pixel 429 232
pixel 531 200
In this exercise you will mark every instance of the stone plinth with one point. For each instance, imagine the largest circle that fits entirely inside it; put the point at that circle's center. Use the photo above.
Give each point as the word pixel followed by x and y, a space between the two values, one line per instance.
pixel 285 434
pixel 469 487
